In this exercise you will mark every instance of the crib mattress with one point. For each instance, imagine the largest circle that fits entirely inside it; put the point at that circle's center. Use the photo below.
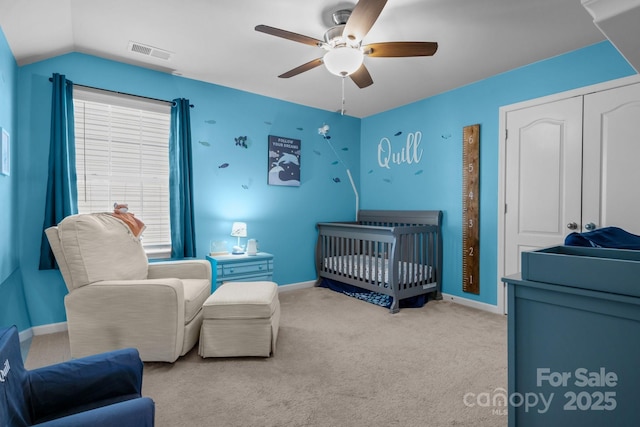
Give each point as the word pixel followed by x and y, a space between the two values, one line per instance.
pixel 367 267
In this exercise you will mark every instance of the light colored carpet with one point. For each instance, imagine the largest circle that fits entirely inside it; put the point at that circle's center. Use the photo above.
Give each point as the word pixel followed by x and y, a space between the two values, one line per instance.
pixel 339 362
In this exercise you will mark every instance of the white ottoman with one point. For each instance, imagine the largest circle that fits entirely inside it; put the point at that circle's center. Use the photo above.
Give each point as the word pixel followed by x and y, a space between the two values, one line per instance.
pixel 240 319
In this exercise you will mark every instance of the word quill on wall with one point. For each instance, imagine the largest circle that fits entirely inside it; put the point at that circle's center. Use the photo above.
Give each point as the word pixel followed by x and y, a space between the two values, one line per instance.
pixel 409 153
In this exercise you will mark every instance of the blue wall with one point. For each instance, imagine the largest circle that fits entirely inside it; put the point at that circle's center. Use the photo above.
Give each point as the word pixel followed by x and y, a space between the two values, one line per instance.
pixel 282 219
pixel 436 181
pixel 13 308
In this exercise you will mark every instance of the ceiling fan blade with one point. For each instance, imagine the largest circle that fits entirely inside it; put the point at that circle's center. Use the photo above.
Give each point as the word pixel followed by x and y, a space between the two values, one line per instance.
pixel 361 77
pixel 362 18
pixel 400 49
pixel 302 68
pixel 289 35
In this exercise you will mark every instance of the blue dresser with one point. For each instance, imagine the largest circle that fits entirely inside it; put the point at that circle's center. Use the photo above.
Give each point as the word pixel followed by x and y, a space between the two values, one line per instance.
pixel 240 268
pixel 574 338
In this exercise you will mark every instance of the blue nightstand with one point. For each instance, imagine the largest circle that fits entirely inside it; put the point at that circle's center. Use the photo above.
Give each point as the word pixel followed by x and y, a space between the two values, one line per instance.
pixel 240 268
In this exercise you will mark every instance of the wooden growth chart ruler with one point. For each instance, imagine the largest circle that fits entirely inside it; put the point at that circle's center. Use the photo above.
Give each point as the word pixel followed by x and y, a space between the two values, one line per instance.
pixel 471 209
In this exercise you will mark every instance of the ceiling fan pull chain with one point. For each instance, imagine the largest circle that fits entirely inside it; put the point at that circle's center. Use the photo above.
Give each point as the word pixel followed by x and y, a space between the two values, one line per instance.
pixel 342 109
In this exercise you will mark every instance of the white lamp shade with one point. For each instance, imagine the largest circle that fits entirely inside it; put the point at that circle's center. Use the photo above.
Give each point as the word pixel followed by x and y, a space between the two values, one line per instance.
pixel 239 229
pixel 343 61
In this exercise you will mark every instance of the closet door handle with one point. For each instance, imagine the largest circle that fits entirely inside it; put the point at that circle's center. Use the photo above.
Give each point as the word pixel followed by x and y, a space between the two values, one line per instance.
pixel 590 226
pixel 572 226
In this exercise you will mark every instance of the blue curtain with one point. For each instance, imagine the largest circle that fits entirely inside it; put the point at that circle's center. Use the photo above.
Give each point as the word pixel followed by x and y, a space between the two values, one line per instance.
pixel 183 239
pixel 62 190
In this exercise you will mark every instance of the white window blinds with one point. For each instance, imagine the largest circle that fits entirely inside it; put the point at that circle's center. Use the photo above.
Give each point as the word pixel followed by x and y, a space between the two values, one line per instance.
pixel 122 155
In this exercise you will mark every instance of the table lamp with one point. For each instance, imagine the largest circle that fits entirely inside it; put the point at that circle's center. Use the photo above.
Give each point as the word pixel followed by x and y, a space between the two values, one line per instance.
pixel 238 229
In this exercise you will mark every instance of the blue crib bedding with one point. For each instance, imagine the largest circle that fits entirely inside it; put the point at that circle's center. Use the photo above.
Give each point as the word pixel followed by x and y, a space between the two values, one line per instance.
pixel 376 298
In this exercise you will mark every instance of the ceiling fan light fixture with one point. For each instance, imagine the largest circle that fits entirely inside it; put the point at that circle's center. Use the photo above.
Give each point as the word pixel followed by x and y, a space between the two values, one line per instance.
pixel 343 44
pixel 343 61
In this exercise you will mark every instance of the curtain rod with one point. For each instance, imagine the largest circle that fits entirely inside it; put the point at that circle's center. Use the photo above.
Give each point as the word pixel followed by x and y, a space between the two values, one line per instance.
pixel 123 93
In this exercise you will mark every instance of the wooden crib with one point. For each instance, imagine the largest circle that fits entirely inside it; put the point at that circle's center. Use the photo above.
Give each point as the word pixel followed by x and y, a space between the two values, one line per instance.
pixel 396 253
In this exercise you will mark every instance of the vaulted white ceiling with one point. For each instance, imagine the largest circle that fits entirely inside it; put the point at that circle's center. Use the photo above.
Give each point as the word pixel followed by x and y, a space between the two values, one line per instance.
pixel 215 41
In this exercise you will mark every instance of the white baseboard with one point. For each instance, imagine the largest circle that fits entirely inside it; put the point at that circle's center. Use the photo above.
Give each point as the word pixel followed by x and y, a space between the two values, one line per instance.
pixel 471 303
pixel 447 297
pixel 62 326
pixel 42 330
pixel 299 285
pixel 51 328
pixel 25 335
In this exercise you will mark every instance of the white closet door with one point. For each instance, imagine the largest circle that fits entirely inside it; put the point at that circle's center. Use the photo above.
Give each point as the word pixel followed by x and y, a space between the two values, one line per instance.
pixel 542 177
pixel 611 165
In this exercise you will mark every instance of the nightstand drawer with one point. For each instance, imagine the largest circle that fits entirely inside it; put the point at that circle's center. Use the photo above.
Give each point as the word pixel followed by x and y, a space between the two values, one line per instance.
pixel 235 269
pixel 241 268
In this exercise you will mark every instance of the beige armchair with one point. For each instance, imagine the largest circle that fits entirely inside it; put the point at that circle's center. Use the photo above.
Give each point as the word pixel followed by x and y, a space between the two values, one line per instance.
pixel 118 299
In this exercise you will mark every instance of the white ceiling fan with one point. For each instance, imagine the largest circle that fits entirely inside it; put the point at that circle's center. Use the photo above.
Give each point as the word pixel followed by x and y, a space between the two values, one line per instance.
pixel 345 52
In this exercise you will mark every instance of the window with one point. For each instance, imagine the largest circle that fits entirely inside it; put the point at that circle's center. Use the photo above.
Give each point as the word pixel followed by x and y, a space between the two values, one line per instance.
pixel 122 155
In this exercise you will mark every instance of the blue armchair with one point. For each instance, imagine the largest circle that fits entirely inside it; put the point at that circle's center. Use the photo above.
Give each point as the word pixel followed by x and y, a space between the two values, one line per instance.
pixel 99 390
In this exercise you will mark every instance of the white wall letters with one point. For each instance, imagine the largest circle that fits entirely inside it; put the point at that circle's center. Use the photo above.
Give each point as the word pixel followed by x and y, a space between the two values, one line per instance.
pixel 410 153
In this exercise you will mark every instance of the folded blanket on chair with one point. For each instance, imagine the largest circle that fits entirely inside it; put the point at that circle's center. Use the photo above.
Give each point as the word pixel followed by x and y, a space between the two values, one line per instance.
pixel 606 237
pixel 136 226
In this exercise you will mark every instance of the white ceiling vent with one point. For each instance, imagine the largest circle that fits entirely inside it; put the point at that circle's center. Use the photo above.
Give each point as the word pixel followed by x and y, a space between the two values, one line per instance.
pixel 149 50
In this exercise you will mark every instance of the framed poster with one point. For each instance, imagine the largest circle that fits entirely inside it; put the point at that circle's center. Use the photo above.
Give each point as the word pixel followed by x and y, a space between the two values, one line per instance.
pixel 284 161
pixel 5 153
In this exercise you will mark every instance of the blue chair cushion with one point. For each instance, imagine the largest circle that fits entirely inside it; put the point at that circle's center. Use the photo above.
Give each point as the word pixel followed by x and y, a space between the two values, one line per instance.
pixel 103 389
pixel 13 381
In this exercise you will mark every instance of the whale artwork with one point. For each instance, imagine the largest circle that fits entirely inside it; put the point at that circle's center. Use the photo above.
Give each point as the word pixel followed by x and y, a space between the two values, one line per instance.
pixel 284 161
